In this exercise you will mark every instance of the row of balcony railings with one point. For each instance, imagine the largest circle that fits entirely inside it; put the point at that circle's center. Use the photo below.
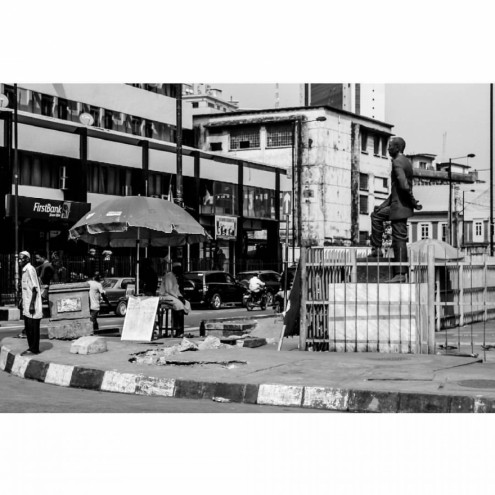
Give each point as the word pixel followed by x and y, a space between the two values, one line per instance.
pixel 348 304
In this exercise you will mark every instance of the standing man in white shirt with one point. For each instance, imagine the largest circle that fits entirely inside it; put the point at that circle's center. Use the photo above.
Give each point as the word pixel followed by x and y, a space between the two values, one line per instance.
pixel 96 292
pixel 32 309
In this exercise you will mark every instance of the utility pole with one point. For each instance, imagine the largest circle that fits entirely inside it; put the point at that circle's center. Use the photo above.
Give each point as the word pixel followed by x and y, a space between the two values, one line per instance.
pixel 178 140
pixel 491 169
pixel 16 199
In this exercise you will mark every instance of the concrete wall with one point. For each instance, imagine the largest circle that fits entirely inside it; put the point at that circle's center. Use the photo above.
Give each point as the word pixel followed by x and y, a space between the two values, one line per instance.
pixel 327 210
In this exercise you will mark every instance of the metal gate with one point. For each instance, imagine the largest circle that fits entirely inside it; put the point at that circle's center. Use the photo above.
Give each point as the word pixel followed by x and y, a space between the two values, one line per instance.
pixel 347 306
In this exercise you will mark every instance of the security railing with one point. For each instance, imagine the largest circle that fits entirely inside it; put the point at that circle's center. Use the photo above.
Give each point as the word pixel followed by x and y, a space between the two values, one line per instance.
pixel 347 304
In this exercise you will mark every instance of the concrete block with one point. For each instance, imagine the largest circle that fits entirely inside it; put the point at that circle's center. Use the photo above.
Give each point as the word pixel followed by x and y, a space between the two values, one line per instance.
pixel 19 366
pixel 87 378
pixel 69 329
pixel 36 370
pixel 8 313
pixel 280 395
pixel 326 398
pixel 124 383
pixel 373 401
pixel 89 345
pixel 163 387
pixel 59 374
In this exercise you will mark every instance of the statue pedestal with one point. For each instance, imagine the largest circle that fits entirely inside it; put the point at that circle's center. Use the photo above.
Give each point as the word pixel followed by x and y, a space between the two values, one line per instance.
pixel 69 311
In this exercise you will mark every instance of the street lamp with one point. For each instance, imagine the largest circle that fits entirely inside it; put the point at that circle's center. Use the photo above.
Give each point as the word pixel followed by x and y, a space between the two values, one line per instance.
pixel 470 155
pixel 462 211
pixel 295 151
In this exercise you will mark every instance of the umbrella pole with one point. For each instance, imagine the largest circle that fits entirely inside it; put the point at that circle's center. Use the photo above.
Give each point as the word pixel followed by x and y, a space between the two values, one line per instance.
pixel 137 263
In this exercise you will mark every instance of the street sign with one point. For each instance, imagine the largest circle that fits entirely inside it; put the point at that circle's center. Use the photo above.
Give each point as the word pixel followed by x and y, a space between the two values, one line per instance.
pixel 287 204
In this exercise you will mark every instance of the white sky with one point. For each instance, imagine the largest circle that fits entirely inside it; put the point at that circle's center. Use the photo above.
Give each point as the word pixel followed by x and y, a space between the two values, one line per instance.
pixel 421 113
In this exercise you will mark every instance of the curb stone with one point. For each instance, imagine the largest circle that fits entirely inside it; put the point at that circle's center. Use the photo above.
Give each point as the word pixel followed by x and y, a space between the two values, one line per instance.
pixel 329 398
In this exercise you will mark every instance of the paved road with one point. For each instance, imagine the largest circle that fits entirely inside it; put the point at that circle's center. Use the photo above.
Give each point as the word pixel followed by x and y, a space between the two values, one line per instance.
pixel 18 395
pixel 191 321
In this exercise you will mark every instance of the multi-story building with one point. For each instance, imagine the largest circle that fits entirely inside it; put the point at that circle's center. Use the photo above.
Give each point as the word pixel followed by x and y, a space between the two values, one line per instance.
pixel 434 187
pixel 339 159
pixel 79 144
pixel 206 99
pixel 367 100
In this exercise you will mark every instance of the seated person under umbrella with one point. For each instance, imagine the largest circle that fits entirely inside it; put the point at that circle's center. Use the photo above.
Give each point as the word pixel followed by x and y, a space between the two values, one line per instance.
pixel 170 293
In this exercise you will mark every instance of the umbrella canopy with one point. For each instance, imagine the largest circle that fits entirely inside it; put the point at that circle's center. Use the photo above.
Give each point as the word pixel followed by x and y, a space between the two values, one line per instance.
pixel 121 221
pixel 442 250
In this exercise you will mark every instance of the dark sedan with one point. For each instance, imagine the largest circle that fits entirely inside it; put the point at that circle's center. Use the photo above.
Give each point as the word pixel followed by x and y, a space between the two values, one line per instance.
pixel 215 289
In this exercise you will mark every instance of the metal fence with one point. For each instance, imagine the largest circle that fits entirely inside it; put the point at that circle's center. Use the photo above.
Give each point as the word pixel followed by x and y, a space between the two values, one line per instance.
pixel 78 268
pixel 347 306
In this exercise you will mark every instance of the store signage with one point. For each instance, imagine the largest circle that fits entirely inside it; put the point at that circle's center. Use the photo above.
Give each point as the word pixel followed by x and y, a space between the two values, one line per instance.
pixel 225 227
pixel 46 209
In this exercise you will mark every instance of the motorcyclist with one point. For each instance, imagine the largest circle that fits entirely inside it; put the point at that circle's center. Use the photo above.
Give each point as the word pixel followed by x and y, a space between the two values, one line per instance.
pixel 256 286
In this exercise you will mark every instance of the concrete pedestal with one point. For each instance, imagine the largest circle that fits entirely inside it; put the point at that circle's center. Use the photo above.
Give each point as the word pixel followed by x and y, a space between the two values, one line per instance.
pixel 69 311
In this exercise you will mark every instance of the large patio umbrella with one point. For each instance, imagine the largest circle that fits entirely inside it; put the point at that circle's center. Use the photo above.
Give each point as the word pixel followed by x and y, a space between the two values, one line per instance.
pixel 442 250
pixel 139 221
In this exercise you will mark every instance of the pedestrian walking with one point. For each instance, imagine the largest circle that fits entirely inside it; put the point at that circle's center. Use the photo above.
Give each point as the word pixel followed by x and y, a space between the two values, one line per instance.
pixel 32 310
pixel 397 208
pixel 96 293
pixel 45 272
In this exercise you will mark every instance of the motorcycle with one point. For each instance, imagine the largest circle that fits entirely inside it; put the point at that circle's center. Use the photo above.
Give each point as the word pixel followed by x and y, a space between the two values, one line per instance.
pixel 253 299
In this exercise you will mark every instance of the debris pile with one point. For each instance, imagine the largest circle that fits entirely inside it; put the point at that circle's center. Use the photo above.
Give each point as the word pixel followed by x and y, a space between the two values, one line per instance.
pixel 162 356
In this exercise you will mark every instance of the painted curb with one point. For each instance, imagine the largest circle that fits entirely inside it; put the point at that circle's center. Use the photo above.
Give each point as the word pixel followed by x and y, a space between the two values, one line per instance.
pixel 328 398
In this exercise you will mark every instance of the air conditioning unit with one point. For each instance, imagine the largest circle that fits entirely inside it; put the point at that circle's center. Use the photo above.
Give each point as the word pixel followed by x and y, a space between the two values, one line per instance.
pixel 63 177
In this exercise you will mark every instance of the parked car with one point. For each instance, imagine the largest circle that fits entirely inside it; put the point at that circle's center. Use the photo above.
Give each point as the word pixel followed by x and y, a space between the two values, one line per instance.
pixel 269 277
pixel 116 289
pixel 213 288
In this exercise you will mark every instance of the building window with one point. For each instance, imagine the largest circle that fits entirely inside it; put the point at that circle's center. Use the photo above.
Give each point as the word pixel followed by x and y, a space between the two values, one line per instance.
pixel 47 105
pixel 422 165
pixel 363 182
pixel 63 109
pixel 363 237
pixel 364 142
pixel 278 136
pixel 442 230
pixel 376 145
pixel 211 105
pixel 424 231
pixel 384 146
pixel 363 204
pixel 244 138
pixel 195 104
pixel 478 231
pixel 381 183
pixel 216 146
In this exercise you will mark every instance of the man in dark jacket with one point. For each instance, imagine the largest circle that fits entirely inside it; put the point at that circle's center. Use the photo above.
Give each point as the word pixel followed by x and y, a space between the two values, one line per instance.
pixel 397 208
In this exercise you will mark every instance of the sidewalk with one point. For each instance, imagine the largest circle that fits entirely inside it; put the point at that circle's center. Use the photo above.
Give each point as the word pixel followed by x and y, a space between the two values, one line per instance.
pixel 357 382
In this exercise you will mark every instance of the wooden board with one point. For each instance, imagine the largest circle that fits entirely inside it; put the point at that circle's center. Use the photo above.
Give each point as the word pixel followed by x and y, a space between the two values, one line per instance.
pixel 140 318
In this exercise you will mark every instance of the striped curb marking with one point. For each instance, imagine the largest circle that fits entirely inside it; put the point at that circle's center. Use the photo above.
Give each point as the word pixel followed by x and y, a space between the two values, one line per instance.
pixel 329 398
pixel 280 395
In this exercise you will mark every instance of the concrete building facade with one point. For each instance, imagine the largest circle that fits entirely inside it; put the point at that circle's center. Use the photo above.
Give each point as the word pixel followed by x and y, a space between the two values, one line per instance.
pixel 81 144
pixel 337 162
